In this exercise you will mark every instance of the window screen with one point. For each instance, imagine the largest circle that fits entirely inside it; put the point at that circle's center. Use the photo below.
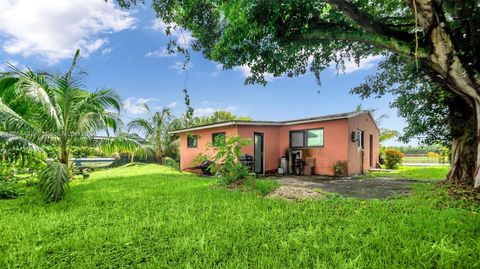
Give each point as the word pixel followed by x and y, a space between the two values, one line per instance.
pixel 192 141
pixel 315 138
pixel 297 139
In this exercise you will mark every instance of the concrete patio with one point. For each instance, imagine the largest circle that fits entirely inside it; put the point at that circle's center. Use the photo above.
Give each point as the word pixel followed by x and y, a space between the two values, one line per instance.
pixel 348 187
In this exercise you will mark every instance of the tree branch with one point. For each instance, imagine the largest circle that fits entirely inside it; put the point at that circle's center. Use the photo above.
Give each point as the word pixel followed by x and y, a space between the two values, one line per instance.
pixel 366 21
pixel 330 33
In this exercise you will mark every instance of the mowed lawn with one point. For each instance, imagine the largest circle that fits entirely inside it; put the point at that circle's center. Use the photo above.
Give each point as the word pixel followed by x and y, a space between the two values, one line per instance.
pixel 152 216
pixel 412 172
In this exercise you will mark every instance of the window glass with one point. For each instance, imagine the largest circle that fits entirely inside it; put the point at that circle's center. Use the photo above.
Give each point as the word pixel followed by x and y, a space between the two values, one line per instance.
pixel 315 138
pixel 218 139
pixel 192 141
pixel 360 139
pixel 297 139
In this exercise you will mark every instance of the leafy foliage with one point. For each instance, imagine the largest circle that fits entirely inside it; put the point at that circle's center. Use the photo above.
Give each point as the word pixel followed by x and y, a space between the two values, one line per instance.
pixel 84 152
pixel 53 181
pixel 393 158
pixel 226 159
pixel 385 133
pixel 156 130
pixel 41 111
pixel 414 95
pixel 9 189
pixel 167 161
pixel 199 158
pixel 217 116
pixel 6 170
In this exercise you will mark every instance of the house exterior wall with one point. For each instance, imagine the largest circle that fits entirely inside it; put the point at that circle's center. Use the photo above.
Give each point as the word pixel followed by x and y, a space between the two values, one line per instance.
pixel 335 148
pixel 337 143
pixel 365 123
pixel 187 155
pixel 272 155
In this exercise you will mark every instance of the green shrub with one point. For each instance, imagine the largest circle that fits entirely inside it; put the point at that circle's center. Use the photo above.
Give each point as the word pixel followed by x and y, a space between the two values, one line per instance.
pixel 199 159
pixel 9 190
pixel 7 171
pixel 226 161
pixel 167 161
pixel 393 158
pixel 84 152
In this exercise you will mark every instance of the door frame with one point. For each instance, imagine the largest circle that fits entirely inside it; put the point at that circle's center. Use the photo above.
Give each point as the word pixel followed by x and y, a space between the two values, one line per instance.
pixel 370 149
pixel 255 153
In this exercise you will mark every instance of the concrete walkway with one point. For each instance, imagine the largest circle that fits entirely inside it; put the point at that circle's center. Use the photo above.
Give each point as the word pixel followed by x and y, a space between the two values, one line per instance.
pixel 360 188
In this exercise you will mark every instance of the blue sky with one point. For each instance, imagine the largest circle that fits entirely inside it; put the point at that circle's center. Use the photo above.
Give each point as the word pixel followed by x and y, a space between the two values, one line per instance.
pixel 123 50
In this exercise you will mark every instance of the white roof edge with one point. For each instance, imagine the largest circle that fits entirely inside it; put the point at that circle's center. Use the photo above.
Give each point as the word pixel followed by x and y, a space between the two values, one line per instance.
pixel 271 123
pixel 203 127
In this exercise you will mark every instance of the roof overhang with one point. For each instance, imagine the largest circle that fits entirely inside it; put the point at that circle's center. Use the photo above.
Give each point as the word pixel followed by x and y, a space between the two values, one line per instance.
pixel 223 124
pixel 276 123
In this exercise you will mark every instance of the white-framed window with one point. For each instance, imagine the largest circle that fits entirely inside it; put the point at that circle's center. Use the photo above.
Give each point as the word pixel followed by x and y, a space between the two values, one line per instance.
pixel 307 138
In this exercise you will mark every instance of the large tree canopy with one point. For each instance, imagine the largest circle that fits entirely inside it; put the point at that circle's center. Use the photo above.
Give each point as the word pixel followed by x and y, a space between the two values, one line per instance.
pixel 292 37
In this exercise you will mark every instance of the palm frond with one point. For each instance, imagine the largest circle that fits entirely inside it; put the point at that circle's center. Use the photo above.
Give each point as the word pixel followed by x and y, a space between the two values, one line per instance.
pixel 11 121
pixel 53 181
pixel 34 88
pixel 386 134
pixel 12 146
pixel 142 125
pixel 107 99
pixel 7 89
pixel 122 142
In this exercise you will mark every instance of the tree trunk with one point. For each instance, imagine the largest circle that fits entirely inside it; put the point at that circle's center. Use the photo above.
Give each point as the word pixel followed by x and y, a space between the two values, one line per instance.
pixel 462 170
pixel 160 155
pixel 463 82
pixel 64 154
pixel 477 138
pixel 464 144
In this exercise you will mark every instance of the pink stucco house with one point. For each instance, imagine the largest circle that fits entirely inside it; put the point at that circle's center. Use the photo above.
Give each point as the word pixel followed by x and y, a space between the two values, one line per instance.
pixel 350 138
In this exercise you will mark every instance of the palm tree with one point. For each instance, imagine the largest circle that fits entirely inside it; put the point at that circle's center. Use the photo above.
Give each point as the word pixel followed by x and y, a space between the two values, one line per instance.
pixel 39 110
pixel 385 133
pixel 155 128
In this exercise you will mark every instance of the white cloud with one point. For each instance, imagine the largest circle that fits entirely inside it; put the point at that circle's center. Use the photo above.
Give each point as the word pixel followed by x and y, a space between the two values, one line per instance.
pixel 205 111
pixel 218 69
pixel 54 29
pixel 179 66
pixel 365 64
pixel 207 102
pixel 172 105
pixel 106 51
pixel 183 37
pixel 163 52
pixel 134 105
pixel 247 71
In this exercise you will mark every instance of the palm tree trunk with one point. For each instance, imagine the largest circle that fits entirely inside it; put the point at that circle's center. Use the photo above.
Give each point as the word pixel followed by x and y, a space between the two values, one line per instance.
pixel 64 155
pixel 160 155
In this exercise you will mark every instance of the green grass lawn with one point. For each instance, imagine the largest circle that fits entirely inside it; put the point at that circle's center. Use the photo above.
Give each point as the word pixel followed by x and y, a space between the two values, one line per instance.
pixel 152 216
pixel 412 172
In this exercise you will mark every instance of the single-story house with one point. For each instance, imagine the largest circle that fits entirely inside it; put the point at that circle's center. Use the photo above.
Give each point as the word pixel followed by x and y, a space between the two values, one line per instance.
pixel 348 138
